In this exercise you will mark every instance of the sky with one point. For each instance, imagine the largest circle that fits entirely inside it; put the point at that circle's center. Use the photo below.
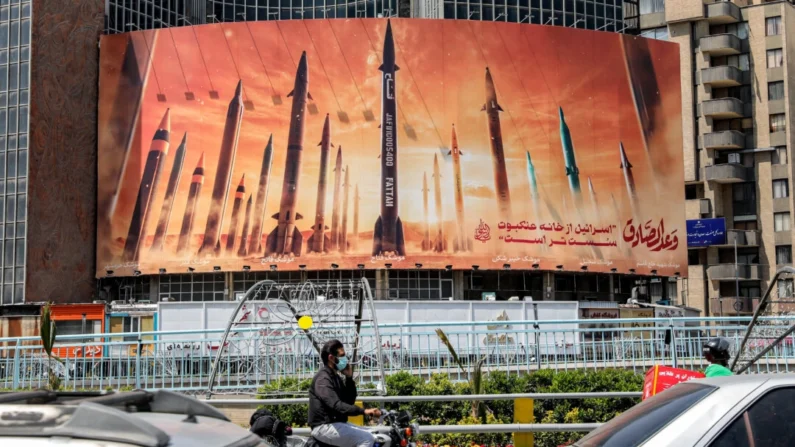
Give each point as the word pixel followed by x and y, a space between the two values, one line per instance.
pixel 440 83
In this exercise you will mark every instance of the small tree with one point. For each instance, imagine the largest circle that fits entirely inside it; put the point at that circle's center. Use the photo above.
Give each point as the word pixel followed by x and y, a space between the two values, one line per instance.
pixel 475 376
pixel 47 332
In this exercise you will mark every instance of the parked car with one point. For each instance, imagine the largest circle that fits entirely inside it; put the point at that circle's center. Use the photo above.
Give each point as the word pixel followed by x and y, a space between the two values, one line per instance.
pixel 131 419
pixel 736 411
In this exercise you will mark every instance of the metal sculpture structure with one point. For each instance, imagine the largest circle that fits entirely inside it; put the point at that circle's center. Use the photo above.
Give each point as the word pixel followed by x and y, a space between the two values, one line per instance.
pixel 772 325
pixel 289 325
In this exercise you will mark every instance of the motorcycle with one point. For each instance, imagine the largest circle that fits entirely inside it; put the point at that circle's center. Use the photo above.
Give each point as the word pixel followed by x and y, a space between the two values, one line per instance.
pixel 394 429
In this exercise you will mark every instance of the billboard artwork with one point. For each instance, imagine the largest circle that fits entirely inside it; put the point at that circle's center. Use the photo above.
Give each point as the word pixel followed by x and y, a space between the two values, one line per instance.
pixel 365 143
pixel 706 232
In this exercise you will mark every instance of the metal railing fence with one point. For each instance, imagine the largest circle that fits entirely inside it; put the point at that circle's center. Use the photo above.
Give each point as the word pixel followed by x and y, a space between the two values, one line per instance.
pixel 182 360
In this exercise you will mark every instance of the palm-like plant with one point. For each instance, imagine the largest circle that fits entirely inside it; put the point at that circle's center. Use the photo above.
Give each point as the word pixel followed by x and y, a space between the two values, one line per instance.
pixel 47 332
pixel 475 376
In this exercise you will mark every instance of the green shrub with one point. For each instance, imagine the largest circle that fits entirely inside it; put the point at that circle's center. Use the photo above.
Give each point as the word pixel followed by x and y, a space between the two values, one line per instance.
pixel 458 413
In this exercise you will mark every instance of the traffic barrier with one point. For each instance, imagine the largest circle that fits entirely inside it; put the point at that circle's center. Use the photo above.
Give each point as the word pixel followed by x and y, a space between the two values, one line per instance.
pixel 182 360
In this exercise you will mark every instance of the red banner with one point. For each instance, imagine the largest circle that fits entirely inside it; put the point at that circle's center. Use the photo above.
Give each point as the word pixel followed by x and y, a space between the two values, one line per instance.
pixel 660 378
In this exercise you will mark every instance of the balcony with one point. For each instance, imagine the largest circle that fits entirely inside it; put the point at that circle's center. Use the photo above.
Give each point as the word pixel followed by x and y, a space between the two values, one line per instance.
pixel 720 45
pixel 744 238
pixel 727 173
pixel 722 76
pixel 732 272
pixel 726 306
pixel 722 13
pixel 725 139
pixel 722 108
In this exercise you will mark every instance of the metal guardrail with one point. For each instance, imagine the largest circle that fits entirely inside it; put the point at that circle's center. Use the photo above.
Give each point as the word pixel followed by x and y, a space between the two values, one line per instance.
pixel 451 398
pixel 490 428
pixel 182 360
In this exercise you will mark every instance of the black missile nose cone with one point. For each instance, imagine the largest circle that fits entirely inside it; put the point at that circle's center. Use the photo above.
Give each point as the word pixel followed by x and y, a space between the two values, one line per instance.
pixel 239 89
pixel 185 138
pixel 560 113
pixel 302 62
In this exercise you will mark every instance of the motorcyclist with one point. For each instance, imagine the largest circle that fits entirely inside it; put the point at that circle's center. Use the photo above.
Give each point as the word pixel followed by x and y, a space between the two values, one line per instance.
pixel 716 352
pixel 331 401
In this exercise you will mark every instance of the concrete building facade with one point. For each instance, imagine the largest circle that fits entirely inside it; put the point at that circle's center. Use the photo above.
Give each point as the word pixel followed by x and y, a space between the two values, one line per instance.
pixel 737 60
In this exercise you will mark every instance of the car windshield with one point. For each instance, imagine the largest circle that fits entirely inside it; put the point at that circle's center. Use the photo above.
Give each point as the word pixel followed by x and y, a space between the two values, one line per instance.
pixel 640 422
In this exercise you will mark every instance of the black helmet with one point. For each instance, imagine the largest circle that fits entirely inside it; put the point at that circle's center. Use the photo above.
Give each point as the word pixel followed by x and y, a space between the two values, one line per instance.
pixel 717 349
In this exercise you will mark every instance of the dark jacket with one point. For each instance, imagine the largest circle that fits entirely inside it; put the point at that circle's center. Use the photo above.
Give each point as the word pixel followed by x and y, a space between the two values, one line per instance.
pixel 331 398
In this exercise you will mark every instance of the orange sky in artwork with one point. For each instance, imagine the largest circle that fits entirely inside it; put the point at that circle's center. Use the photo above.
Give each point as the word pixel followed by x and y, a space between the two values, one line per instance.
pixel 536 69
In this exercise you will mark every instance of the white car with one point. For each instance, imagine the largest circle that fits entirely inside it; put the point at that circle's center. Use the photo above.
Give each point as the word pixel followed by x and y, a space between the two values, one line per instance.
pixel 756 410
pixel 134 419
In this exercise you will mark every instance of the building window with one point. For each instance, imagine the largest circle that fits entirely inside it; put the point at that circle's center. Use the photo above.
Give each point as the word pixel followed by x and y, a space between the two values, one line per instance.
pixel 693 257
pixel 775 90
pixel 780 155
pixel 775 58
pixel 773 27
pixel 780 189
pixel 781 221
pixel 651 6
pixel 784 254
pixel 778 123
pixel 193 287
pixel 420 284
pixel 744 199
pixel 738 29
pixel 656 33
pixel 785 288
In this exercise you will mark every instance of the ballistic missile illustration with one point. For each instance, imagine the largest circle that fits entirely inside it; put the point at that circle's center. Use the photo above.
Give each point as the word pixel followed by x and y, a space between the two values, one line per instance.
pixel 426 240
pixel 196 182
pixel 285 239
pixel 355 243
pixel 168 201
pixel 239 194
pixel 149 180
pixel 388 232
pixel 594 202
pixel 223 175
pixel 255 240
pixel 531 179
pixel 335 206
pixel 642 77
pixel 626 166
pixel 493 109
pixel 440 243
pixel 344 232
pixel 243 251
pixel 572 171
pixel 319 242
pixel 461 242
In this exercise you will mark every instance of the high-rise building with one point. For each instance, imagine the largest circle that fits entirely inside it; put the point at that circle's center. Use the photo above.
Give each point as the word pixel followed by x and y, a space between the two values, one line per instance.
pixel 125 15
pixel 736 69
pixel 47 149
pixel 606 15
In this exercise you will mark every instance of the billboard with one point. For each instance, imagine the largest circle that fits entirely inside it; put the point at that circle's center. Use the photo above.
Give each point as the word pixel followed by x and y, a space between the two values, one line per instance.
pixel 365 143
pixel 706 232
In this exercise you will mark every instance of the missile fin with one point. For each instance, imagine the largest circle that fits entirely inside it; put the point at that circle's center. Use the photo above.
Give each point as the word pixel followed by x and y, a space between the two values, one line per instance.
pixel 400 243
pixel 298 242
pixel 309 95
pixel 497 106
pixel 381 67
pixel 275 216
pixel 396 67
pixel 270 242
pixel 291 93
pixel 298 216
pixel 378 233
pixel 483 109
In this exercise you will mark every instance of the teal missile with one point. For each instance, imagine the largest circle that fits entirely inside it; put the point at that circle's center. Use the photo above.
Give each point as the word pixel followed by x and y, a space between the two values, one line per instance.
pixel 572 172
pixel 531 178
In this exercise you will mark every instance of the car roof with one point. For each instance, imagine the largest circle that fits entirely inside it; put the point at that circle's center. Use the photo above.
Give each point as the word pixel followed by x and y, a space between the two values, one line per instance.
pixel 203 432
pixel 139 418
